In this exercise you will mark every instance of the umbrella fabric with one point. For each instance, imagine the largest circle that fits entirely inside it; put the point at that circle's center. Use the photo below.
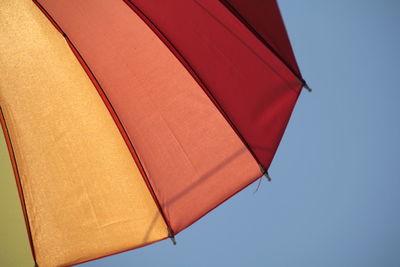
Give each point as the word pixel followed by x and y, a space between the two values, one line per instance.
pixel 83 193
pixel 192 158
pixel 252 86
pixel 181 104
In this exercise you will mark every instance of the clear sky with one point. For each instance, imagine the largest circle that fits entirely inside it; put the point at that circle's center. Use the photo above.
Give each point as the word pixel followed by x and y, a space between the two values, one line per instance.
pixel 335 195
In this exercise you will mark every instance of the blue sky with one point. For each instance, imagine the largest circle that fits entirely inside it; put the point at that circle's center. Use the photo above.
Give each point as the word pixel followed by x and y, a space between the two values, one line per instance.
pixel 335 195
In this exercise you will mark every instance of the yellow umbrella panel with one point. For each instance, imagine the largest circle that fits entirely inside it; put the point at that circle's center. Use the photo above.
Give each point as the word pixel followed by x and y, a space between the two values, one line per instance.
pixel 68 150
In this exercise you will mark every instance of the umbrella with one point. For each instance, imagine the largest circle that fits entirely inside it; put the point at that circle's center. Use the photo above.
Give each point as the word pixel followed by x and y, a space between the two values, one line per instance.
pixel 127 121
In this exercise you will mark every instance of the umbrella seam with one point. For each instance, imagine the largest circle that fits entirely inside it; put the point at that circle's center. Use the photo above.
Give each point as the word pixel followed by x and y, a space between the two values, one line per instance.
pixel 17 179
pixel 263 41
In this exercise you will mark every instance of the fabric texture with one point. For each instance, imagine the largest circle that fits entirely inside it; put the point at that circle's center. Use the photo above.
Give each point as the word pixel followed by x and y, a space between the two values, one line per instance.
pixel 252 86
pixel 192 157
pixel 84 195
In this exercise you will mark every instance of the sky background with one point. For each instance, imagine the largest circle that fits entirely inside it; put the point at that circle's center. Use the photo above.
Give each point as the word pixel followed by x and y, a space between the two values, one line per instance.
pixel 335 195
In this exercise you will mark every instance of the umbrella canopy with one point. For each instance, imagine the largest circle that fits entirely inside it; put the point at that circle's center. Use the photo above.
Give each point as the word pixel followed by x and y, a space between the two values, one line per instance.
pixel 171 108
